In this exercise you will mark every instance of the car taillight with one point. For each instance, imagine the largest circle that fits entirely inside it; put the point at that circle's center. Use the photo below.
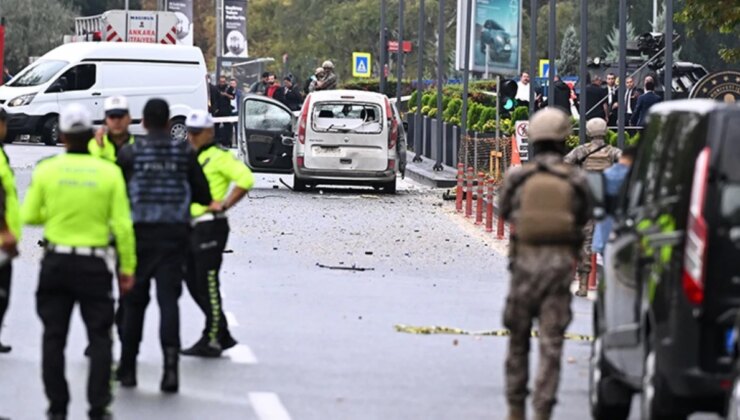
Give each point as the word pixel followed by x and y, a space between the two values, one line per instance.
pixel 300 161
pixel 303 121
pixel 695 251
pixel 393 135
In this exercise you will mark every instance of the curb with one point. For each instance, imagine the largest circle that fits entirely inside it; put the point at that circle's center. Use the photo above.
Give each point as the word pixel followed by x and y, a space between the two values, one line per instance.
pixel 423 172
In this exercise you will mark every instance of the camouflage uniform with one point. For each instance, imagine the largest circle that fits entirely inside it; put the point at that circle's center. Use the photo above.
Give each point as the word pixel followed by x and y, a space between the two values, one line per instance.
pixel 540 281
pixel 580 157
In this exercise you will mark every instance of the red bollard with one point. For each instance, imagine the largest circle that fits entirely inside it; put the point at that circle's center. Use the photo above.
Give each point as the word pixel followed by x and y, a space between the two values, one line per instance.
pixel 459 191
pixel 479 206
pixel 500 228
pixel 469 194
pixel 592 274
pixel 489 207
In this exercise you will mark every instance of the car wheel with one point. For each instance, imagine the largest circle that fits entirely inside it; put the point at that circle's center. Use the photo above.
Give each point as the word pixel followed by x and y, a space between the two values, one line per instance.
pixel 50 131
pixel 299 185
pixel 609 399
pixel 389 187
pixel 178 130
pixel 654 401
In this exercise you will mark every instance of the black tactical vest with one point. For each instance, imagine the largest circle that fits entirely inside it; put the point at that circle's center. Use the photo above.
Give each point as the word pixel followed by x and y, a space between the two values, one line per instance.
pixel 159 189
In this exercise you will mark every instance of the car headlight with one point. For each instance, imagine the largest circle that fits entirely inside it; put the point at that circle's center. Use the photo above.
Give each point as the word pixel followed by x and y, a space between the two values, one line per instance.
pixel 22 100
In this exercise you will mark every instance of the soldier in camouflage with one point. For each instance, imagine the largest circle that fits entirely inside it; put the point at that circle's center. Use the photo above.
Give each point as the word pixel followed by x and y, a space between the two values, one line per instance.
pixel 596 155
pixel 548 202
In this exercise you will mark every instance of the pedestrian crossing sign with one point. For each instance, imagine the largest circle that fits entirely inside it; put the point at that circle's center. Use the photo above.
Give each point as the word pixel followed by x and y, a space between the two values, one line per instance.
pixel 361 64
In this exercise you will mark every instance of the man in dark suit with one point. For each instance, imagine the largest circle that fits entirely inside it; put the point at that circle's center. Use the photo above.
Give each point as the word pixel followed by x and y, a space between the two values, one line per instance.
pixel 644 103
pixel 612 99
pixel 596 106
pixel 630 98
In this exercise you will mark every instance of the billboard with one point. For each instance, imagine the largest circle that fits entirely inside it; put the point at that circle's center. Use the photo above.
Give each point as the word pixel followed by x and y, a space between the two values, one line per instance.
pixel 235 29
pixel 495 44
pixel 183 9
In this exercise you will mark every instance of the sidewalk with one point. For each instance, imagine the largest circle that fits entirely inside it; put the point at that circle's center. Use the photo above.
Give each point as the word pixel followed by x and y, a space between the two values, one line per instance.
pixel 424 173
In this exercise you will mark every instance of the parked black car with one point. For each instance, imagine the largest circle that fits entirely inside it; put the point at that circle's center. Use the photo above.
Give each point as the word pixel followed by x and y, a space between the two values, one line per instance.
pixel 671 285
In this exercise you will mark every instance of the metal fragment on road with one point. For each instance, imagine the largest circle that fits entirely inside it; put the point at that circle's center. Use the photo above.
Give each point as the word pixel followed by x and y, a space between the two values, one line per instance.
pixel 339 267
pixel 435 329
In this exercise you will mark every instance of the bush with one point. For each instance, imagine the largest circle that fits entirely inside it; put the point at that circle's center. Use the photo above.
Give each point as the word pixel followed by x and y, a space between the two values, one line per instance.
pixel 373 85
pixel 414 97
pixel 453 110
pixel 520 113
pixel 474 112
pixel 432 113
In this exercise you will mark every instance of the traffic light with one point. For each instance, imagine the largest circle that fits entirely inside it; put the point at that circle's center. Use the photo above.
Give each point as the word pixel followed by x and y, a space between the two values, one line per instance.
pixel 507 92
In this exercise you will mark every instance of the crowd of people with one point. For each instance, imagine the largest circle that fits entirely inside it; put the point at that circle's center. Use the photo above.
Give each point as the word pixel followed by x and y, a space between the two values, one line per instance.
pixel 602 98
pixel 135 209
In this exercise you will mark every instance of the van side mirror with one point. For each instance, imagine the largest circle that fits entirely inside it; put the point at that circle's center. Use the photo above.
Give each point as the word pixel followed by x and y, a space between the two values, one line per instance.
pixel 598 193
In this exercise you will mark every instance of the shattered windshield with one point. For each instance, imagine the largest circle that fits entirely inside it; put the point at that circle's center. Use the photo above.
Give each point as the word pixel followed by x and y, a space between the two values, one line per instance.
pixel 347 117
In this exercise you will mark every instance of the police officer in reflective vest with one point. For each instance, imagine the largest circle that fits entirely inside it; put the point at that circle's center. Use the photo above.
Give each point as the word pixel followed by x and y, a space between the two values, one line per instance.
pixel 80 200
pixel 163 178
pixel 10 224
pixel 548 202
pixel 109 139
pixel 211 231
pixel 596 155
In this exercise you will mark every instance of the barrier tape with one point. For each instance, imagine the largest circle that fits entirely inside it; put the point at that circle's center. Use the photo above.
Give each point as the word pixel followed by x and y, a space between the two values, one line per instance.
pixel 435 329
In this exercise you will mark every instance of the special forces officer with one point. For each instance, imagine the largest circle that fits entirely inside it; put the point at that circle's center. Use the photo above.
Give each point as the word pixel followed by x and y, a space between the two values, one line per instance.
pixel 80 200
pixel 164 178
pixel 548 203
pixel 211 231
pixel 10 224
pixel 115 134
pixel 596 155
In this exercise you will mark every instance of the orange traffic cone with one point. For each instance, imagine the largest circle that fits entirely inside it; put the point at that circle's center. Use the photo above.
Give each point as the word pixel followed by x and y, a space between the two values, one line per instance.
pixel 516 160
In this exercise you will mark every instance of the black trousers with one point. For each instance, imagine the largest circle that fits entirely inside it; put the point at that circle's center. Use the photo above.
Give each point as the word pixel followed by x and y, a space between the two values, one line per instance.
pixel 224 133
pixel 207 244
pixel 64 281
pixel 6 273
pixel 160 252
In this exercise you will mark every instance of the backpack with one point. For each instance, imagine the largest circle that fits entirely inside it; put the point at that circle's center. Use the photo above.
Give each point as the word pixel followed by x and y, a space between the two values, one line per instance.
pixel 598 158
pixel 545 214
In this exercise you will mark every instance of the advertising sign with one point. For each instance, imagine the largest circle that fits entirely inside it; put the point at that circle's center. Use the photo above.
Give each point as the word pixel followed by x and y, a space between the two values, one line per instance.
pixel 235 29
pixel 495 44
pixel 183 9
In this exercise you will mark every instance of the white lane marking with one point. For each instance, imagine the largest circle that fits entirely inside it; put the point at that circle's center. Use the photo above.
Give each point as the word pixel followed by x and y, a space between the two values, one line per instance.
pixel 267 405
pixel 231 319
pixel 241 354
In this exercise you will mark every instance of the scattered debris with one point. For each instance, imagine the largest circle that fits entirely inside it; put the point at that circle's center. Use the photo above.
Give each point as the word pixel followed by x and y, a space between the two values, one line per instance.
pixel 435 329
pixel 340 267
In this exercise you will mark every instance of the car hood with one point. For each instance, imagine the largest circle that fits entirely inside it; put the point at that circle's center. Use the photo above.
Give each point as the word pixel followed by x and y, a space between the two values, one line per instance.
pixel 8 93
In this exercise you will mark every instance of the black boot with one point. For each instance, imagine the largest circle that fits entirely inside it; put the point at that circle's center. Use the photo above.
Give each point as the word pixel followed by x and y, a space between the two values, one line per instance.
pixel 170 378
pixel 204 348
pixel 227 341
pixel 126 372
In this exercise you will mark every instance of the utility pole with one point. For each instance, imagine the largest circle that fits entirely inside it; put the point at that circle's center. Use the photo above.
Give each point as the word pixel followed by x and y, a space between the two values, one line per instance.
pixel 583 73
pixel 552 54
pixel 532 52
pixel 383 46
pixel 399 54
pixel 622 70
pixel 668 74
pixel 655 15
pixel 219 36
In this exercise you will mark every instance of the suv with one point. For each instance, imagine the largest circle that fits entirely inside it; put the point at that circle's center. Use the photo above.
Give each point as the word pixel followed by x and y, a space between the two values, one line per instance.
pixel 671 284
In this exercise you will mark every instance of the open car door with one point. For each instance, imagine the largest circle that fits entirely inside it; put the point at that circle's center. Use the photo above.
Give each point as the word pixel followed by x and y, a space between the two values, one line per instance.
pixel 263 122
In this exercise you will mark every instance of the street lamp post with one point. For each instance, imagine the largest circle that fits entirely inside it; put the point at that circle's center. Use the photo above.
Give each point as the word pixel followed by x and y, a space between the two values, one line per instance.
pixel 583 72
pixel 551 43
pixel 419 84
pixel 668 74
pixel 532 51
pixel 383 46
pixel 440 80
pixel 466 77
pixel 622 71
pixel 399 54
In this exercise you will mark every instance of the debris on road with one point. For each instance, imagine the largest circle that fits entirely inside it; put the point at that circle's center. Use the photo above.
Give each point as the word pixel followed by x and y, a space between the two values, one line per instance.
pixel 408 329
pixel 339 267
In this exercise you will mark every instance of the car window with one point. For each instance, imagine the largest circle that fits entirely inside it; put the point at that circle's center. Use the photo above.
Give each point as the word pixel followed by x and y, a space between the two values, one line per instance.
pixel 679 156
pixel 262 115
pixel 730 154
pixel 347 117
pixel 38 73
pixel 80 77
pixel 642 180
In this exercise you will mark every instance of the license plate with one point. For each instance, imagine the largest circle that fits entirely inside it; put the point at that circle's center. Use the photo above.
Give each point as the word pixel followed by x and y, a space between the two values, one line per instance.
pixel 327 151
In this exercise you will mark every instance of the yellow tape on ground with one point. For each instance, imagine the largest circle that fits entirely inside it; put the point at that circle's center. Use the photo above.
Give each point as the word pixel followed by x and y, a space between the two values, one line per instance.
pixel 408 329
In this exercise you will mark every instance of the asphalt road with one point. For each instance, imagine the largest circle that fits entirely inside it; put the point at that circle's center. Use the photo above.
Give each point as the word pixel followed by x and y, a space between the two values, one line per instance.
pixel 316 343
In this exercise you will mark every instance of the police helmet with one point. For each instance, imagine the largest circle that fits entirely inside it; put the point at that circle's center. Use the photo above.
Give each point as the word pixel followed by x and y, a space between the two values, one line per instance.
pixel 549 124
pixel 328 65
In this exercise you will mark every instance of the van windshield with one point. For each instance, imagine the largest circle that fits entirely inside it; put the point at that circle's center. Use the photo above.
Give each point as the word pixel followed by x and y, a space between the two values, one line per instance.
pixel 38 73
pixel 338 117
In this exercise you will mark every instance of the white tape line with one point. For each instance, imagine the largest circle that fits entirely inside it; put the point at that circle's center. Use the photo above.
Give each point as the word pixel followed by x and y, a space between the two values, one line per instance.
pixel 231 319
pixel 267 405
pixel 241 354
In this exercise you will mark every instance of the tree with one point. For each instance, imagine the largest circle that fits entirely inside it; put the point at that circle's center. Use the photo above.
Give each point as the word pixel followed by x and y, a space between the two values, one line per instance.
pixel 33 27
pixel 570 53
pixel 612 50
pixel 713 15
